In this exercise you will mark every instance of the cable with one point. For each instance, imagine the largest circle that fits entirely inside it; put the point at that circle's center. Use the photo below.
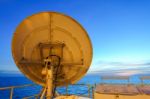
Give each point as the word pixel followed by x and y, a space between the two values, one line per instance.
pixel 55 79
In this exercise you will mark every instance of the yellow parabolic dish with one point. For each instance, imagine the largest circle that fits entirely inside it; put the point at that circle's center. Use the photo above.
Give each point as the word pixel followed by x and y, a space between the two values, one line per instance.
pixel 52 28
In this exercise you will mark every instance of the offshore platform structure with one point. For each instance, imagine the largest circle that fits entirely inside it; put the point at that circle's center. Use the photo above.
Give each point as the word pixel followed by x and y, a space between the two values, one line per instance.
pixel 52 50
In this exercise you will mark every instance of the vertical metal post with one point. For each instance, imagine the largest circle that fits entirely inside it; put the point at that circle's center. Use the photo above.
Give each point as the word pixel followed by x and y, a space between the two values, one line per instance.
pixel 89 90
pixel 142 82
pixel 43 93
pixel 11 92
pixel 49 83
pixel 128 81
pixel 92 92
pixel 66 90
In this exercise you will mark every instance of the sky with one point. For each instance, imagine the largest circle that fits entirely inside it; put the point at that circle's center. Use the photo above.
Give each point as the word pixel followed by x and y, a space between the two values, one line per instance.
pixel 119 31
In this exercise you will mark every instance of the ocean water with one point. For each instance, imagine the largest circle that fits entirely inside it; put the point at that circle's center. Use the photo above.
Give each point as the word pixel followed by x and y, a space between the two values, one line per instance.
pixel 92 79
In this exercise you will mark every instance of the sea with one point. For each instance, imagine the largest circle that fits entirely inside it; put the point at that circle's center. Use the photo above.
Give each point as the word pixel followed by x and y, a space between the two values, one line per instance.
pixel 79 89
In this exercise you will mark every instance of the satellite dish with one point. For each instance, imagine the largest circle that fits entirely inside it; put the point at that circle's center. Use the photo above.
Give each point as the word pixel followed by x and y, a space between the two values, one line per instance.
pixel 54 39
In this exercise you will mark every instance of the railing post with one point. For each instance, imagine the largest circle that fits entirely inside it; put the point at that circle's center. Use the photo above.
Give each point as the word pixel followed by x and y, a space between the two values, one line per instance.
pixel 11 92
pixel 92 92
pixel 67 90
pixel 89 90
pixel 128 81
pixel 142 82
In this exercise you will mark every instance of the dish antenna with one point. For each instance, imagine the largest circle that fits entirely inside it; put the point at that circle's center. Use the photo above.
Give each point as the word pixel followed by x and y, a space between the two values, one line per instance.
pixel 52 50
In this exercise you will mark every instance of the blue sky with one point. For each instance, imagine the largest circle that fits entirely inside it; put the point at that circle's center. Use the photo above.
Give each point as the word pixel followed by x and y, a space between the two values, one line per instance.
pixel 119 30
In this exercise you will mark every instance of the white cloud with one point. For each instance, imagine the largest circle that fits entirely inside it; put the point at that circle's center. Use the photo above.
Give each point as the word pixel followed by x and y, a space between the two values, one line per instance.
pixel 120 68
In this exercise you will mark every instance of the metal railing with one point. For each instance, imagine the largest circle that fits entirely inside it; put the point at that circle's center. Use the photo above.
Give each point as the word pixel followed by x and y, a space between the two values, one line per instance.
pixel 11 88
pixel 143 78
pixel 127 78
pixel 115 78
pixel 87 93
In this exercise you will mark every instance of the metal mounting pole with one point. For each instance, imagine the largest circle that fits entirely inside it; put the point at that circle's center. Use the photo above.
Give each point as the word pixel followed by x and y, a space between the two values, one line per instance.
pixel 43 93
pixel 11 92
pixel 48 72
pixel 49 83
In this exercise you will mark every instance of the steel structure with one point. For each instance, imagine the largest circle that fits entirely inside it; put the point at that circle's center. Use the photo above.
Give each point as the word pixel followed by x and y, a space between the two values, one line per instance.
pixel 52 50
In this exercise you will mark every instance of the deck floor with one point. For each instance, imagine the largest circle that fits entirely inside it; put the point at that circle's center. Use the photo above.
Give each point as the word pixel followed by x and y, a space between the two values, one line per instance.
pixel 84 98
pixel 122 89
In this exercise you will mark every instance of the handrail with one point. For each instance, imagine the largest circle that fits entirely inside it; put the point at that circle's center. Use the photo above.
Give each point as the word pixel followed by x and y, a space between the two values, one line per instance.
pixel 89 88
pixel 11 88
pixel 144 78
pixel 28 97
pixel 116 78
pixel 88 91
pixel 26 85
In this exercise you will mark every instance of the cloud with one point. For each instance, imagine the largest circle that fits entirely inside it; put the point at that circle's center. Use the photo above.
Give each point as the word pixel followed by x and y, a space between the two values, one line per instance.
pixel 120 68
pixel 129 73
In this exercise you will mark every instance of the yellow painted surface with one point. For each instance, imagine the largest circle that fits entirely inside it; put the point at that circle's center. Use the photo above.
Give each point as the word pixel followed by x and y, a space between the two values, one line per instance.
pixel 116 91
pixel 52 28
pixel 111 96
pixel 67 97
